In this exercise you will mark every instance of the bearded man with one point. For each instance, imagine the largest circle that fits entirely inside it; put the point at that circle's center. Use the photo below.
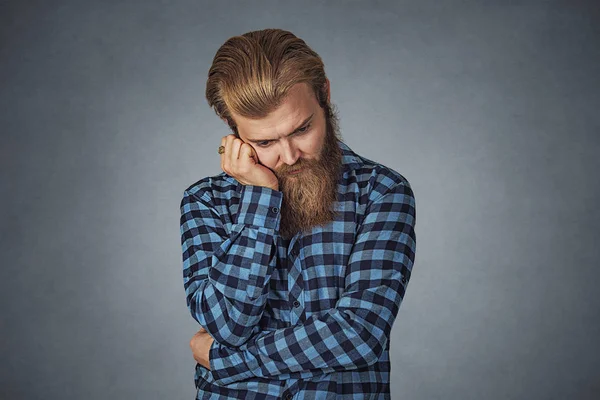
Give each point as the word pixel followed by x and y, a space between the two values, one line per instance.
pixel 296 258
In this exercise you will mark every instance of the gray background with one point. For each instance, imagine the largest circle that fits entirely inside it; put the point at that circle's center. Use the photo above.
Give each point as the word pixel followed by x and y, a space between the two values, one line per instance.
pixel 490 109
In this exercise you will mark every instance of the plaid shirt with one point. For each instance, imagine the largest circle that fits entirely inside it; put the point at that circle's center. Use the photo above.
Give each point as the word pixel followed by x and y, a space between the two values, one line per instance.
pixel 305 318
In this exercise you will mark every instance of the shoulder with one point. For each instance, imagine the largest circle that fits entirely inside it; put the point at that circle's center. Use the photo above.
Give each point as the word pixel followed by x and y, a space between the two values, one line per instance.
pixel 212 189
pixel 373 177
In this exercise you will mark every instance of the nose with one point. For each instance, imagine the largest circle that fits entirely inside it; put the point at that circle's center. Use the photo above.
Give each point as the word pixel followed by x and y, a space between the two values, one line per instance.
pixel 289 152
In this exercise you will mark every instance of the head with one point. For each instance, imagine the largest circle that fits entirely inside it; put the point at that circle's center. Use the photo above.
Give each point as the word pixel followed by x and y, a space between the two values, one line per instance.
pixel 271 89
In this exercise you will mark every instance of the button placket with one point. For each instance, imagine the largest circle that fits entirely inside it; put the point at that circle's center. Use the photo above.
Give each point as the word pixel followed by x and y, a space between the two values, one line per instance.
pixel 295 282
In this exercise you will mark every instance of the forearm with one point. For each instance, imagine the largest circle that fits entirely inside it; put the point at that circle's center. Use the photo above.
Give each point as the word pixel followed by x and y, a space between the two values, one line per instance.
pixel 229 305
pixel 340 339
pixel 226 274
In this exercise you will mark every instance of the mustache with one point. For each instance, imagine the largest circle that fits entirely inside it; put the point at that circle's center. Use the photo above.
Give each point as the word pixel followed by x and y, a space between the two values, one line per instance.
pixel 300 164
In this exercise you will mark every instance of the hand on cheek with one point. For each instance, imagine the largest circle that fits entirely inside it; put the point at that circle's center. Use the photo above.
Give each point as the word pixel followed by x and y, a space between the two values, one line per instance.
pixel 240 161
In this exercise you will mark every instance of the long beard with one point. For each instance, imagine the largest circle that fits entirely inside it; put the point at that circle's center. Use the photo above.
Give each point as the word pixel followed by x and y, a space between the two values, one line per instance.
pixel 308 197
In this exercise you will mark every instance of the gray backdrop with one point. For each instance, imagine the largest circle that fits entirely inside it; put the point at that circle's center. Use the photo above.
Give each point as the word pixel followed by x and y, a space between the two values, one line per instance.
pixel 490 109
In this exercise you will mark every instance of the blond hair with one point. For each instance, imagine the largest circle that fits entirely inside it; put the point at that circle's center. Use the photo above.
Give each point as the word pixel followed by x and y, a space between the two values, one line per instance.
pixel 251 74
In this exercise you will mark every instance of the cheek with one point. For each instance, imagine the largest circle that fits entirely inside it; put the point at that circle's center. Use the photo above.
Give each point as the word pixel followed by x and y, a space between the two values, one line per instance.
pixel 312 150
pixel 314 146
pixel 268 159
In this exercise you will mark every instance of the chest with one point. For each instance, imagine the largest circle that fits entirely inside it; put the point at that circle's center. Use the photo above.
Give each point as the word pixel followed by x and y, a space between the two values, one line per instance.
pixel 309 277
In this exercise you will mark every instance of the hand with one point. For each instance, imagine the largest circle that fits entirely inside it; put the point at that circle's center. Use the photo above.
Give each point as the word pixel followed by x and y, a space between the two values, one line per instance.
pixel 200 345
pixel 241 162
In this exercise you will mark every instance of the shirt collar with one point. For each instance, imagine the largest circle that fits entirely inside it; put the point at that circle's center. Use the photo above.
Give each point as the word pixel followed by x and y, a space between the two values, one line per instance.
pixel 350 159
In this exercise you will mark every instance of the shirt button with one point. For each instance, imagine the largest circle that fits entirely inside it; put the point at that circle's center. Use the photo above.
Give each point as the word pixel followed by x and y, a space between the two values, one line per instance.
pixel 275 210
pixel 296 303
pixel 404 279
pixel 294 253
pixel 288 396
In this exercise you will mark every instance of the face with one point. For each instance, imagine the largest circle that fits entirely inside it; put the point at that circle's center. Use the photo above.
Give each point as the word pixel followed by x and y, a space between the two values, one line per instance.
pixel 289 138
pixel 298 136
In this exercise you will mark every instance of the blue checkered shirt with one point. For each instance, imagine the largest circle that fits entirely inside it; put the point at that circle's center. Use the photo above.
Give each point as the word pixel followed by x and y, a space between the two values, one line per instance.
pixel 304 318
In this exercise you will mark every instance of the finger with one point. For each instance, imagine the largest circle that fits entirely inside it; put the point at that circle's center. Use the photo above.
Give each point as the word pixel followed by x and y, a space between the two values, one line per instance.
pixel 228 150
pixel 227 154
pixel 223 142
pixel 247 152
pixel 235 149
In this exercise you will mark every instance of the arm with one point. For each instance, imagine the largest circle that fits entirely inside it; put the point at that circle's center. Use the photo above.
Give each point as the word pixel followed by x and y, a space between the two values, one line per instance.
pixel 354 334
pixel 226 275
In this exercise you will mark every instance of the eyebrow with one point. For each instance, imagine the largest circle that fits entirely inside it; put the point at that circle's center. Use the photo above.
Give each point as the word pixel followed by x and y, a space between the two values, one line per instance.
pixel 306 121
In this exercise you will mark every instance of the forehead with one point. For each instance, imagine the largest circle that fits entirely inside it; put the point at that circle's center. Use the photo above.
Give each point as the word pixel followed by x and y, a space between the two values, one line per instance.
pixel 299 104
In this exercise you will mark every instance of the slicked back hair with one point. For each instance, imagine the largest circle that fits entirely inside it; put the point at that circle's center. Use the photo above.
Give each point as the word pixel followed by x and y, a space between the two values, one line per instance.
pixel 251 74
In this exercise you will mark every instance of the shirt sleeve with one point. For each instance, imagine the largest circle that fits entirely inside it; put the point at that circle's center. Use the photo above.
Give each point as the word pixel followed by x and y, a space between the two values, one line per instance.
pixel 227 271
pixel 354 334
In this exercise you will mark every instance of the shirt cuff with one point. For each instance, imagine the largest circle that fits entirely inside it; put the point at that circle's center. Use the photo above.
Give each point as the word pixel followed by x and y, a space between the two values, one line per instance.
pixel 227 365
pixel 260 206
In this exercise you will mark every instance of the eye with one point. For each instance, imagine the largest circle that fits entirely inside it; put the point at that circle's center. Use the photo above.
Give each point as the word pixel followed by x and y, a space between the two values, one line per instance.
pixel 263 144
pixel 304 128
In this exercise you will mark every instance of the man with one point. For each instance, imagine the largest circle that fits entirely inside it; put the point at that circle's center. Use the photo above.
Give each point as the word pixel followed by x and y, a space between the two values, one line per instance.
pixel 296 258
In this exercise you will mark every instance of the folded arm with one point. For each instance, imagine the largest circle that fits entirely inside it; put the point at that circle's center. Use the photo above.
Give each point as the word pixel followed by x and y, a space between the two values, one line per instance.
pixel 355 332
